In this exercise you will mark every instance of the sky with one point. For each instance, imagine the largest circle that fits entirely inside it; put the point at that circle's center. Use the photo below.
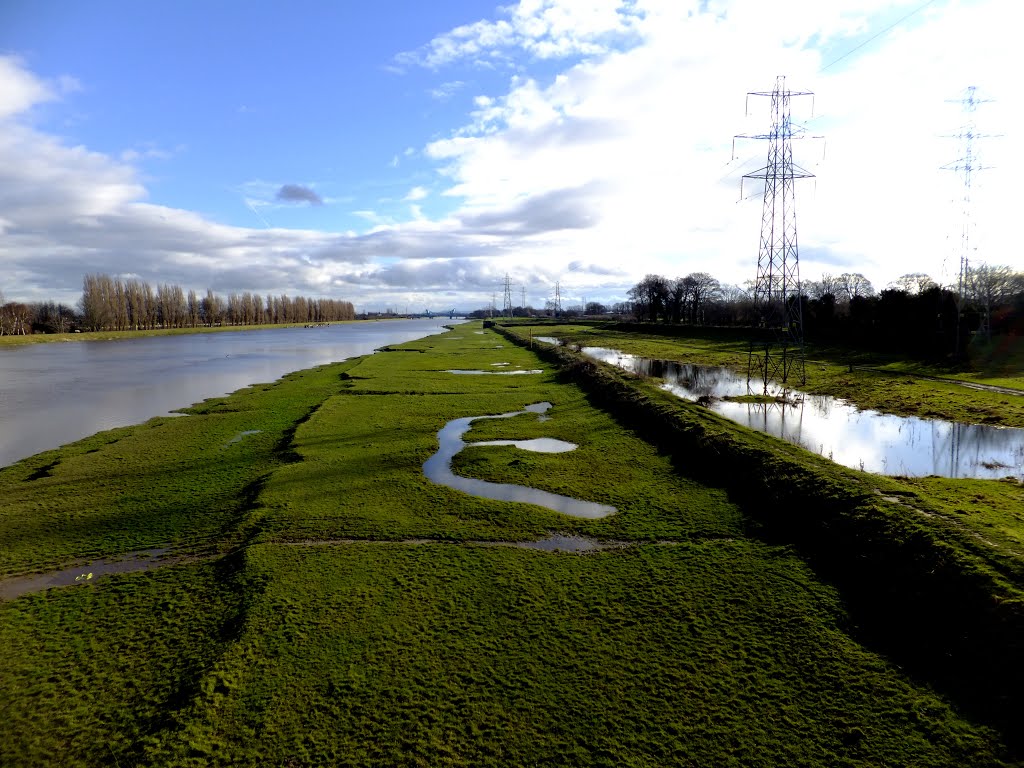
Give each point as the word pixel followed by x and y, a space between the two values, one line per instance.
pixel 409 155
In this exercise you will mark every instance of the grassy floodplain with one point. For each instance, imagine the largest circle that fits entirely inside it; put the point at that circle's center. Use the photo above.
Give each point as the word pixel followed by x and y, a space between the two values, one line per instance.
pixel 338 608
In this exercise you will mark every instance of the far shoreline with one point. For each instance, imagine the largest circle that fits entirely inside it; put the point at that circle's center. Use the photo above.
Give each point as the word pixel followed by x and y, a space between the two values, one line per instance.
pixel 18 340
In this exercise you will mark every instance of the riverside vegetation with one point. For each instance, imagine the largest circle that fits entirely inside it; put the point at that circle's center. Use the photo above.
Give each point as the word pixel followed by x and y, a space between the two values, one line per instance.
pixel 330 604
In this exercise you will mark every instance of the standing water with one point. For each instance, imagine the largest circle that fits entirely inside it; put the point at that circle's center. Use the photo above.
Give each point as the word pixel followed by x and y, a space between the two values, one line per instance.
pixel 862 439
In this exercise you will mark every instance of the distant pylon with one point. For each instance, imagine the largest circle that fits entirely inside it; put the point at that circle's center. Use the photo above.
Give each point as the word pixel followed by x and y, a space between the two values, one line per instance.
pixel 967 165
pixel 508 297
pixel 523 288
pixel 558 299
pixel 779 355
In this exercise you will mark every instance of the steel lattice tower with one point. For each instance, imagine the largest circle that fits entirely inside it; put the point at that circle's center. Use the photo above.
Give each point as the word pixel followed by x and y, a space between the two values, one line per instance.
pixel 778 354
pixel 967 165
pixel 508 297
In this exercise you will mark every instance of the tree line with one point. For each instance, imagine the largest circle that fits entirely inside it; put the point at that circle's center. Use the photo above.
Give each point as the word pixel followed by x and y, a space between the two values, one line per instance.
pixel 913 313
pixel 111 304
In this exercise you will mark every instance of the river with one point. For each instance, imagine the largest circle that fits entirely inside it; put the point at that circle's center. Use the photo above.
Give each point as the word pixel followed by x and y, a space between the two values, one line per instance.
pixel 53 394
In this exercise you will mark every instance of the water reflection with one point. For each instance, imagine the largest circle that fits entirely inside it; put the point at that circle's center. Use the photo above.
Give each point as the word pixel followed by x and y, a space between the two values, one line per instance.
pixel 438 468
pixel 861 439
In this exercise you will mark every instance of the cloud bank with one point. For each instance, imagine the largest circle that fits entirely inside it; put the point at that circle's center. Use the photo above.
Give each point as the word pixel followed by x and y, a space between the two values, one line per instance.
pixel 615 162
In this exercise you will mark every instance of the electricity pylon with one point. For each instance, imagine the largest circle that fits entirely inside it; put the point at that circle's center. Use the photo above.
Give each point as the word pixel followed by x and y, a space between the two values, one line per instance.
pixel 508 297
pixel 967 165
pixel 778 356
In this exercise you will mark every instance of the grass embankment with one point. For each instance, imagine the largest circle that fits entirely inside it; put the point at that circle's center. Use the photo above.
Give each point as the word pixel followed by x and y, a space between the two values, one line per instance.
pixel 695 645
pixel 881 383
pixel 925 585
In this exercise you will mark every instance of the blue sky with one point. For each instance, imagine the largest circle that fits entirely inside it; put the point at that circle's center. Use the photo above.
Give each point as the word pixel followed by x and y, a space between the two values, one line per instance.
pixel 401 153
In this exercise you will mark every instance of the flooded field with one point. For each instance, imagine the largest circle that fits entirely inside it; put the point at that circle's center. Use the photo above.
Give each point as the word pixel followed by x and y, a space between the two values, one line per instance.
pixel 861 439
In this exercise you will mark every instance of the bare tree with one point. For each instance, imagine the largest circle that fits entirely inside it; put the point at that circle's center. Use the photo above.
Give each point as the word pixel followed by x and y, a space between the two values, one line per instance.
pixel 854 285
pixel 914 283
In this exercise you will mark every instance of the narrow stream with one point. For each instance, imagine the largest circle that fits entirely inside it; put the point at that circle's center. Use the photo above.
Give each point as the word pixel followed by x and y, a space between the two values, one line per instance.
pixel 861 439
pixel 438 468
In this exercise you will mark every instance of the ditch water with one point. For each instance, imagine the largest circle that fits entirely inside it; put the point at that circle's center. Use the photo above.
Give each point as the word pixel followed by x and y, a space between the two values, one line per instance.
pixel 52 394
pixel 438 468
pixel 862 439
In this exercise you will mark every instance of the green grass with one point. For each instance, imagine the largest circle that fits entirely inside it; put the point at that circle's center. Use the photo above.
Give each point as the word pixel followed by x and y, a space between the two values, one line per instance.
pixel 992 511
pixel 90 673
pixel 171 481
pixel 722 653
pixel 695 645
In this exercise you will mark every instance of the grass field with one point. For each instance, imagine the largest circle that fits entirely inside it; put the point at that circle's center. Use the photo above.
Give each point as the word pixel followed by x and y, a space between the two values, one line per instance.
pixel 344 610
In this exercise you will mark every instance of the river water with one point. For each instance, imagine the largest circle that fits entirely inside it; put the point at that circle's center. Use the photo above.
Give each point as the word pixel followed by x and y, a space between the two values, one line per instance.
pixel 53 394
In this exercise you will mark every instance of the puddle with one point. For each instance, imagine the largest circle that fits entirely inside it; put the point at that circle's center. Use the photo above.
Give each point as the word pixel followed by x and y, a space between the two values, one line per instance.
pixel 537 445
pixel 494 373
pixel 438 469
pixel 861 439
pixel 238 438
pixel 547 340
pixel 559 543
pixel 89 573
pixel 499 365
pixel 479 333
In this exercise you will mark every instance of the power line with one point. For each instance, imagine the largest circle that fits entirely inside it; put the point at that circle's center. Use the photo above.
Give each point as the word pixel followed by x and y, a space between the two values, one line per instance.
pixel 878 35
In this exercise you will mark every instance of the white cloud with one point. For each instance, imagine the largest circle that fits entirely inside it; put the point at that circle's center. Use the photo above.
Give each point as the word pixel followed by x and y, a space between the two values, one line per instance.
pixel 595 172
pixel 20 89
pixel 547 29
pixel 445 91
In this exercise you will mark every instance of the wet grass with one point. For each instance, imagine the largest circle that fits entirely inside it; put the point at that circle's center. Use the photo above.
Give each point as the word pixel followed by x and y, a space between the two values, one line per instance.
pixel 712 649
pixel 881 383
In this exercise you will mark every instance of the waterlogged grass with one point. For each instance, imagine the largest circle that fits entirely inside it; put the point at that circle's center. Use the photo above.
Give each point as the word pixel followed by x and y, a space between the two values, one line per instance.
pixel 694 645
pixel 363 451
pixel 715 653
pixel 182 482
pixel 875 382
